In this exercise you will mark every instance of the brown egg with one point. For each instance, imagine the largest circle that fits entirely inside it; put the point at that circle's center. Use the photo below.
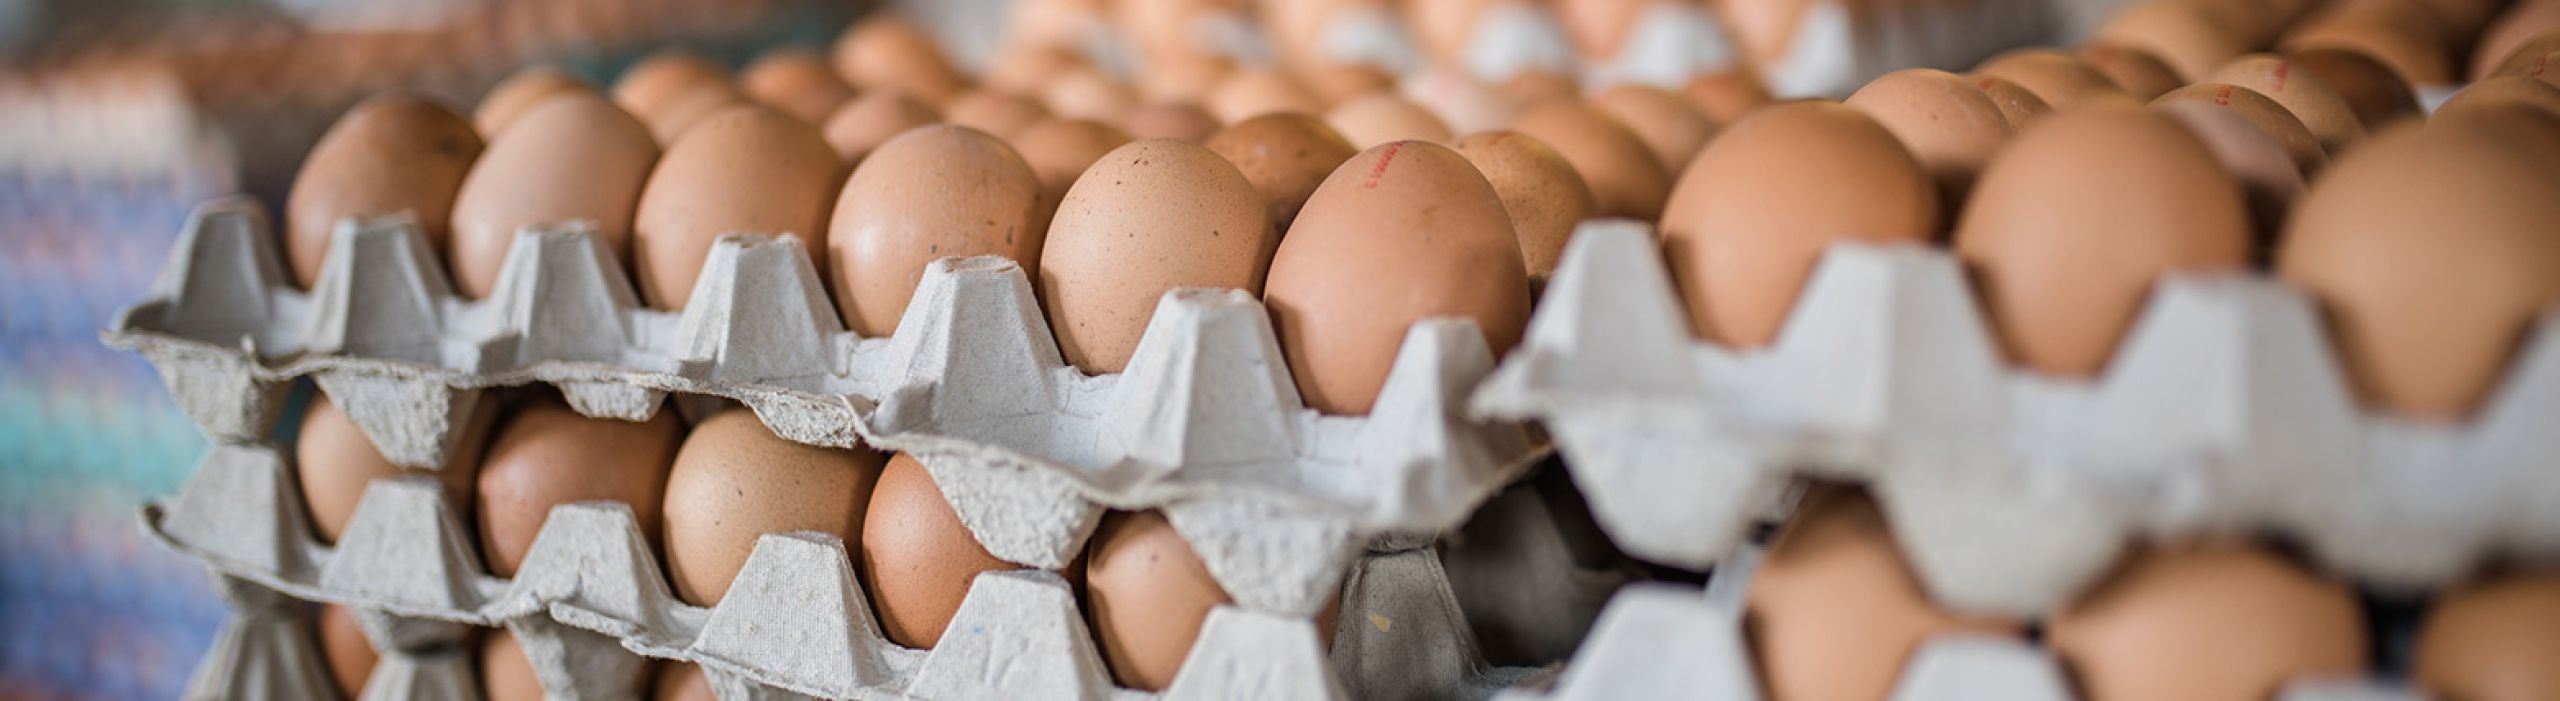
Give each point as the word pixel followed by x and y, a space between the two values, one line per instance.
pixel 1754 214
pixel 1443 28
pixel 2263 113
pixel 2016 104
pixel 393 153
pixel 734 480
pixel 1530 87
pixel 2064 255
pixel 1377 119
pixel 1669 125
pixel 1188 79
pixel 992 112
pixel 334 461
pixel 2135 71
pixel 1834 610
pixel 350 655
pixel 1765 31
pixel 1400 233
pixel 506 674
pixel 887 52
pixel 1540 192
pixel 2179 33
pixel 1286 155
pixel 2397 33
pixel 1625 176
pixel 520 92
pixel 871 120
pixel 1341 82
pixel 1088 94
pixel 1149 217
pixel 1727 96
pixel 797 81
pixel 2503 92
pixel 2061 80
pixel 2212 621
pixel 672 91
pixel 1027 70
pixel 746 169
pixel 1170 120
pixel 546 454
pixel 1948 124
pixel 2302 93
pixel 935 192
pixel 2461 20
pixel 2539 60
pixel 1599 28
pixel 2431 249
pixel 1147 594
pixel 1058 150
pixel 681 681
pixel 2525 23
pixel 2494 640
pixel 1246 94
pixel 575 157
pixel 1467 104
pixel 918 560
pixel 2266 169
pixel 2378 96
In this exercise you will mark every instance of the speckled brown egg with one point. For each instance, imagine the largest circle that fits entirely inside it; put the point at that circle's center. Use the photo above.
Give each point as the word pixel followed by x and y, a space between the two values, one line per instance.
pixel 2133 70
pixel 2263 113
pixel 1835 611
pixel 1147 595
pixel 2016 104
pixel 934 192
pixel 1377 119
pixel 1285 155
pixel 1148 217
pixel 393 153
pixel 2264 167
pixel 2064 255
pixel 1170 120
pixel 871 120
pixel 674 90
pixel 506 674
pixel 992 112
pixel 2494 639
pixel 887 52
pixel 1402 232
pixel 2058 78
pixel 575 157
pixel 520 92
pixel 746 169
pixel 2180 33
pixel 1754 214
pixel 1674 129
pixel 734 480
pixel 1946 123
pixel 2397 33
pixel 1246 94
pixel 545 454
pixel 2378 96
pixel 350 655
pixel 2302 93
pixel 917 559
pixel 2209 621
pixel 797 81
pixel 1059 150
pixel 1625 176
pixel 681 681
pixel 334 461
pixel 1541 192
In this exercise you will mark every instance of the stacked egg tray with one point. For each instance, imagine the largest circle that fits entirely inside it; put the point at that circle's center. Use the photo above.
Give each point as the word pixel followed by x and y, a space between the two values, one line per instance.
pixel 2224 411
pixel 1288 508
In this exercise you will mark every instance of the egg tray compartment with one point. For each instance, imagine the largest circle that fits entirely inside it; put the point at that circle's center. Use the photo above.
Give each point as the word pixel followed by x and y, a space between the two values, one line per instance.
pixel 1205 424
pixel 1839 45
pixel 794 622
pixel 2224 410
pixel 267 650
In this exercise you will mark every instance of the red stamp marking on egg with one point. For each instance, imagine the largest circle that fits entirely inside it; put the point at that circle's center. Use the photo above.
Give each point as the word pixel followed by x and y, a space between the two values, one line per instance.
pixel 2283 68
pixel 2222 97
pixel 1985 85
pixel 2540 64
pixel 1380 170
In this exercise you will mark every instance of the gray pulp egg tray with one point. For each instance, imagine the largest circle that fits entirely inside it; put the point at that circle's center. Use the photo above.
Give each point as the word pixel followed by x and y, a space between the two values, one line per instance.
pixel 1279 500
pixel 2224 410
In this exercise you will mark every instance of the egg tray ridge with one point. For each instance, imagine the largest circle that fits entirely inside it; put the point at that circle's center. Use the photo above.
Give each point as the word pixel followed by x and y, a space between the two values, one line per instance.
pixel 2224 410
pixel 590 600
pixel 1205 424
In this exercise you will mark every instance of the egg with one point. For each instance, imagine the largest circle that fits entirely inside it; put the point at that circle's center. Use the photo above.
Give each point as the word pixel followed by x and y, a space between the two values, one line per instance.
pixel 887 52
pixel 1625 176
pixel 2431 250
pixel 734 480
pixel 2377 95
pixel 2539 60
pixel 746 169
pixel 1531 87
pixel 342 644
pixel 917 558
pixel 1341 82
pixel 1402 232
pixel 334 461
pixel 1058 150
pixel 992 112
pixel 1380 118
pixel 2181 34
pixel 681 681
pixel 2303 94
pixel 575 157
pixel 1148 217
pixel 1945 122
pixel 1754 214
pixel 1170 120
pixel 1467 104
pixel 1026 70
pixel 2493 639
pixel 1187 80
pixel 935 192
pixel 2267 172
pixel 797 81
pixel 2524 23
pixel 1671 127
pixel 1147 595
pixel 1250 93
pixel 2064 254
pixel 2460 20
pixel 545 454
pixel 868 121
pixel 1544 197
pixel 2061 80
pixel 520 92
pixel 1766 31
pixel 1444 28
pixel 1835 612
pixel 2134 71
pixel 672 91
pixel 2016 104
pixel 2209 621
pixel 2263 113
pixel 1599 28
pixel 1088 94
pixel 1285 155
pixel 2503 92
pixel 2397 33
pixel 1727 96
pixel 506 674
pixel 393 153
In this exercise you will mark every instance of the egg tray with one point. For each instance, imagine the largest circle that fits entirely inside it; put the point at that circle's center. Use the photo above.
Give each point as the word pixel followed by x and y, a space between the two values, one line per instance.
pixel 1839 45
pixel 2224 410
pixel 1206 424
pixel 590 601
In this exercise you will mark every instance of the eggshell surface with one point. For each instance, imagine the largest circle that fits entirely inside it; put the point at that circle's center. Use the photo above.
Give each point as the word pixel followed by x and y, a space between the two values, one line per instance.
pixel 2211 621
pixel 1147 218
pixel 545 454
pixel 393 153
pixel 734 481
pixel 917 560
pixel 748 169
pixel 575 157
pixel 935 192
pixel 1835 611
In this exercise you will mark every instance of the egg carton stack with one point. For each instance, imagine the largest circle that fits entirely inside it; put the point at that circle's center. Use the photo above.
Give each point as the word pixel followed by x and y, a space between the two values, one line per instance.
pixel 2224 411
pixel 1287 508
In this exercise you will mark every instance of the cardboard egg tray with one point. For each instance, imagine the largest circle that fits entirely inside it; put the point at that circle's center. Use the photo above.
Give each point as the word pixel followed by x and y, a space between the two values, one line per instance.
pixel 1839 45
pixel 2224 410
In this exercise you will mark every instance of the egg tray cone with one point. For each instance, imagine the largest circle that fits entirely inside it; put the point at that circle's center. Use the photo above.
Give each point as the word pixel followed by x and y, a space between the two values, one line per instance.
pixel 1839 45
pixel 590 601
pixel 2224 410
pixel 1205 423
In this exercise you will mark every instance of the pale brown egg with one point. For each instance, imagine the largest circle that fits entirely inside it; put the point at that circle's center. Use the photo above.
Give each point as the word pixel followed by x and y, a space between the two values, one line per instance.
pixel 506 674
pixel 2179 33
pixel 672 91
pixel 520 92
pixel 1766 31
pixel 935 192
pixel 888 52
pixel 1188 79
pixel 1088 94
pixel 1544 197
pixel 871 120
pixel 2209 621
pixel 350 655
pixel 734 480
pixel 1402 232
pixel 1531 87
pixel 2397 33
pixel 2502 92
pixel 575 157
pixel 1147 594
pixel 1147 218
pixel 2263 113
pixel 1599 28
pixel 545 454
pixel 1835 612
pixel 1340 83
pixel 1727 96
pixel 995 113
pixel 1059 150
pixel 2431 249
pixel 2061 80
pixel 2302 93
pixel 1170 120
pixel 2493 639
pixel 2064 255
pixel 1027 70
pixel 2378 96
pixel 2539 60
pixel 2135 71
pixel 1443 28
pixel 1754 214
pixel 917 559
pixel 334 461
pixel 1467 104
pixel 1669 125
pixel 2524 23
pixel 2016 104
pixel 747 169
pixel 1950 126
pixel 681 681
pixel 797 81
pixel 395 152
pixel 2264 167
pixel 1250 93
pixel 1625 175
pixel 1377 119
pixel 1286 155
